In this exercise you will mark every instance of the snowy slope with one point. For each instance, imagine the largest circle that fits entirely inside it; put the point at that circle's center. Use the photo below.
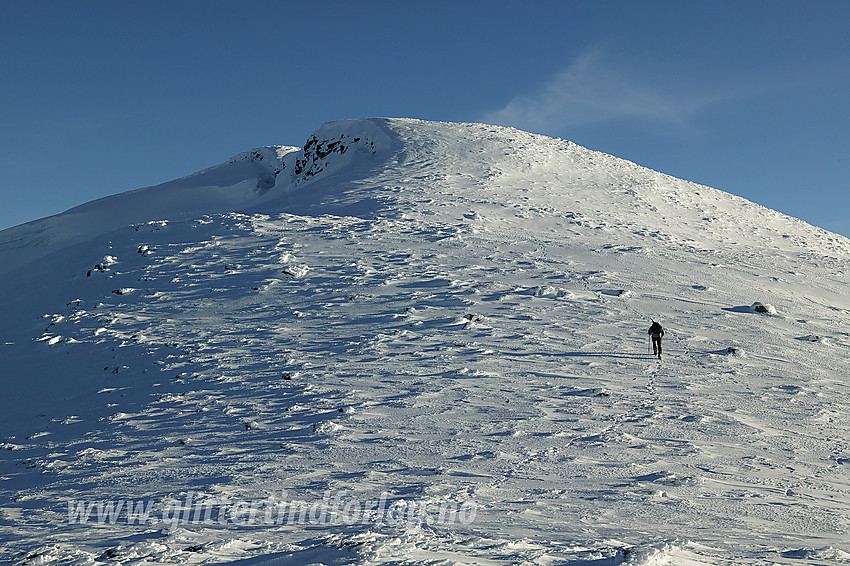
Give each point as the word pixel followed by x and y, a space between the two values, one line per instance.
pixel 245 179
pixel 434 336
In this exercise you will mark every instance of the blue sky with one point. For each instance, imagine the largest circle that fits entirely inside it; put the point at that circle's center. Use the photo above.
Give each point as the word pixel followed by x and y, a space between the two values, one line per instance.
pixel 749 97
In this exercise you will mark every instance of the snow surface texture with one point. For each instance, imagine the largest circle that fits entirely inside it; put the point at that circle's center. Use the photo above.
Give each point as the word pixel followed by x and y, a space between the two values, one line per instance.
pixel 415 315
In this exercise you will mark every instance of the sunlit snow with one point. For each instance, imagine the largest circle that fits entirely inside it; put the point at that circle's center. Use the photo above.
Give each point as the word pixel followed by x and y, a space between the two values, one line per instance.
pixel 424 343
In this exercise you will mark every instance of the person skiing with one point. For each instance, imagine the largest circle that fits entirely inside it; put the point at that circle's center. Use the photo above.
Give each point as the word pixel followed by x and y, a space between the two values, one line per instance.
pixel 655 333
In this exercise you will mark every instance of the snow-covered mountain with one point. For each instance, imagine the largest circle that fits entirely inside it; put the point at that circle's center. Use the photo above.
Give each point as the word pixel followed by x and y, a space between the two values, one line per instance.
pixel 424 343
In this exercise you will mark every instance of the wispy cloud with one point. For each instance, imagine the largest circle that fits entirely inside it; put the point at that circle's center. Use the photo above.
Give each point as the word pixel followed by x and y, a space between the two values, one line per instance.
pixel 591 90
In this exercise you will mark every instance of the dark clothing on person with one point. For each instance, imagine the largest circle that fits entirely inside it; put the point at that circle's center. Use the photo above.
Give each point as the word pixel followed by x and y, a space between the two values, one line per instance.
pixel 655 333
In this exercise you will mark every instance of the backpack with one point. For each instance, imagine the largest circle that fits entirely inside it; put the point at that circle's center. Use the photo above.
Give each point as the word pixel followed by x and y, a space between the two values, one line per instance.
pixel 656 329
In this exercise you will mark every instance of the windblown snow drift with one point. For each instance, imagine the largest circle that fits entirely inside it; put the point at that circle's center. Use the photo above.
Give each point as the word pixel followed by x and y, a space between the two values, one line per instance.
pixel 424 343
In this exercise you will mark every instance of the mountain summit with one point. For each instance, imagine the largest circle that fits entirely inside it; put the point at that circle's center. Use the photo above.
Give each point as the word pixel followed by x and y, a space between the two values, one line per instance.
pixel 494 167
pixel 413 342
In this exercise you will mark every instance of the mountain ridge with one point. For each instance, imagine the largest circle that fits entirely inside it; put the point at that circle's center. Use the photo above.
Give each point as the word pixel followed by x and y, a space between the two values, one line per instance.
pixel 266 176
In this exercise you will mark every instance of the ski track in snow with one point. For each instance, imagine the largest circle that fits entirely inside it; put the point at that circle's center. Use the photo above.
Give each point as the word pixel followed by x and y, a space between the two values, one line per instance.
pixel 453 328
